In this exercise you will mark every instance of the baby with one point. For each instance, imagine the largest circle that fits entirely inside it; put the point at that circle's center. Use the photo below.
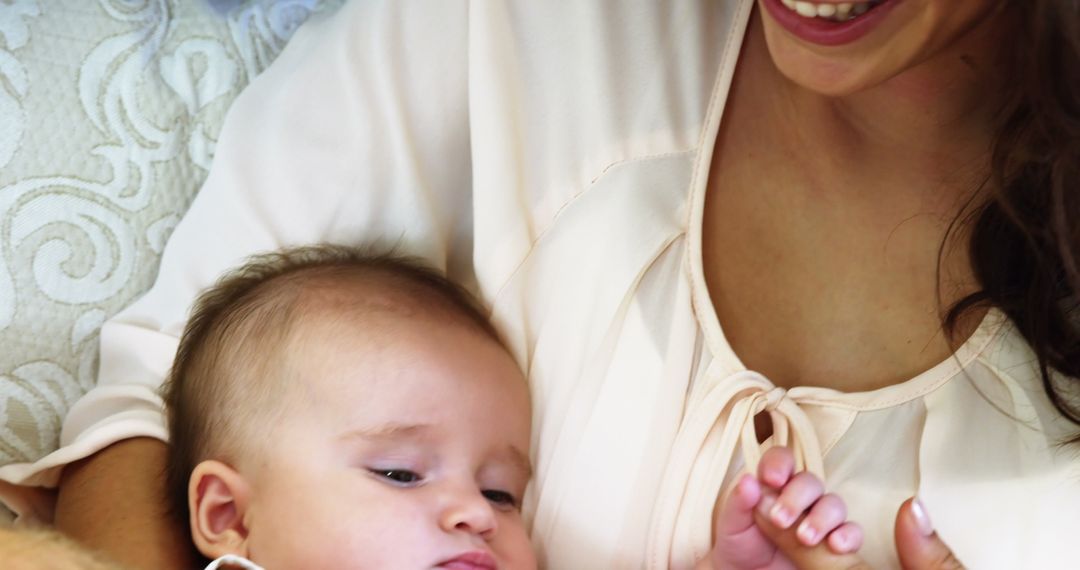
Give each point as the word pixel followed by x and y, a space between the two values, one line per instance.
pixel 330 409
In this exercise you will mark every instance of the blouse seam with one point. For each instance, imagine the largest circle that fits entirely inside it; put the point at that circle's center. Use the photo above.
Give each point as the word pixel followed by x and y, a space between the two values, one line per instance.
pixel 700 300
pixel 840 433
pixel 558 213
pixel 976 356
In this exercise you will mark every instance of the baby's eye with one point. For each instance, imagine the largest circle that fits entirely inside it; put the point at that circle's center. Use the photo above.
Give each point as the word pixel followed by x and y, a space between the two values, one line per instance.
pixel 401 476
pixel 501 498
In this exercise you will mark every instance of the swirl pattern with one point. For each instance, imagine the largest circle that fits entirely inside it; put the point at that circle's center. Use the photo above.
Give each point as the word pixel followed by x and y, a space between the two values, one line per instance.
pixel 109 113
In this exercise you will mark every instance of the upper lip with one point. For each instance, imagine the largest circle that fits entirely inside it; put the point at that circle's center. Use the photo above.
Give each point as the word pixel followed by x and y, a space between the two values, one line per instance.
pixel 472 560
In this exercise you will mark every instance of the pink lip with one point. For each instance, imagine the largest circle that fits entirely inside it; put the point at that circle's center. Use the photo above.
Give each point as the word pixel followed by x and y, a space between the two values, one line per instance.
pixel 824 32
pixel 475 560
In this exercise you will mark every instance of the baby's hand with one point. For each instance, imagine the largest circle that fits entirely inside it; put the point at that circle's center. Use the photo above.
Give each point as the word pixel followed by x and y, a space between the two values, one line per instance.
pixel 782 520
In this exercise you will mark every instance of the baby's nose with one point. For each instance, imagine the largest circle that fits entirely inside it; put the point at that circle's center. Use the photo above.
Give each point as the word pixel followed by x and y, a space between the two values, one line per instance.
pixel 469 511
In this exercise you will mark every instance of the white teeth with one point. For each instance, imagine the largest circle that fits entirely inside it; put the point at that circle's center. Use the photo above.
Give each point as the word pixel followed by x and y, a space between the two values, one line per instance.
pixel 835 12
pixel 806 9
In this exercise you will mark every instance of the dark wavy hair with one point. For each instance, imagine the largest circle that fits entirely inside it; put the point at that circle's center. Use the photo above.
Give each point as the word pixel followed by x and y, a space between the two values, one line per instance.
pixel 1025 238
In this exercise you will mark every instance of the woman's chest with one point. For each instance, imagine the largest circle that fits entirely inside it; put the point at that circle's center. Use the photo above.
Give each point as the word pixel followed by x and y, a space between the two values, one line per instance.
pixel 823 266
pixel 812 282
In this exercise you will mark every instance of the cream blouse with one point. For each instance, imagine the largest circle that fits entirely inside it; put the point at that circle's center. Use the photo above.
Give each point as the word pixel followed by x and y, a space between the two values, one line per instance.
pixel 553 155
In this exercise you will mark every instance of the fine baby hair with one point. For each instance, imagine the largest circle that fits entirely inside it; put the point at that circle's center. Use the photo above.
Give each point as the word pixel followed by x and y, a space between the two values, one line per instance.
pixel 224 382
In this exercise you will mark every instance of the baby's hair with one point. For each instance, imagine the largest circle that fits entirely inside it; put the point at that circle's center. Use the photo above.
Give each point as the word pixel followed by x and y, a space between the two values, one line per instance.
pixel 231 351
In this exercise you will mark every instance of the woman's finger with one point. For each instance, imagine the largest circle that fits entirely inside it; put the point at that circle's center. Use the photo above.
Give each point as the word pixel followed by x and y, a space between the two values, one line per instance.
pixel 828 513
pixel 846 539
pixel 800 493
pixel 819 557
pixel 919 547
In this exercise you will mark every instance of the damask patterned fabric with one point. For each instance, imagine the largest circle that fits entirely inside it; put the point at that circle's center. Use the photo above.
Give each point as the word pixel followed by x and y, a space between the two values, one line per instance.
pixel 109 112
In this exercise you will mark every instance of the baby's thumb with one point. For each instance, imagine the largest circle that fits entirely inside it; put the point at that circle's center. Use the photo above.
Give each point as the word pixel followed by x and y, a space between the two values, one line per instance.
pixel 919 547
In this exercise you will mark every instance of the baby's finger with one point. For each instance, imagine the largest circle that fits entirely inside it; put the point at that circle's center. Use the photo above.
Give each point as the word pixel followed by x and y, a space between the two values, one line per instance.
pixel 776 466
pixel 802 491
pixel 846 539
pixel 737 513
pixel 828 513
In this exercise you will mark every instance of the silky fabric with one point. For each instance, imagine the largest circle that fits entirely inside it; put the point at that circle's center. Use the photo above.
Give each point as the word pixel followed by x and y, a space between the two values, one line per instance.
pixel 553 156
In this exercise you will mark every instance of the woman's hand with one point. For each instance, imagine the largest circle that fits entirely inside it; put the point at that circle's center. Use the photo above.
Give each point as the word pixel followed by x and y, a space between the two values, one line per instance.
pixel 919 547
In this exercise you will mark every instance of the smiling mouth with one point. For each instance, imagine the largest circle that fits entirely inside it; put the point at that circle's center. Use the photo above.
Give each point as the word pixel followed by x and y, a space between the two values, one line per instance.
pixel 842 12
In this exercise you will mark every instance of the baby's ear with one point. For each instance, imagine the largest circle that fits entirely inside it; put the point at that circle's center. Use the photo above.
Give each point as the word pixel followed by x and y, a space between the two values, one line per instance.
pixel 218 499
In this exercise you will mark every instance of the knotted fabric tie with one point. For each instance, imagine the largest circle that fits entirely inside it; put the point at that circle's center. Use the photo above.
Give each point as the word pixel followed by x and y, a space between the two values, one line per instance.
pixel 704 448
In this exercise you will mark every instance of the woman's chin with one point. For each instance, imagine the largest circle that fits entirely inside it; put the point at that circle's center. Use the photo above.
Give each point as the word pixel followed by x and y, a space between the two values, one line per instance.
pixel 830 79
pixel 835 76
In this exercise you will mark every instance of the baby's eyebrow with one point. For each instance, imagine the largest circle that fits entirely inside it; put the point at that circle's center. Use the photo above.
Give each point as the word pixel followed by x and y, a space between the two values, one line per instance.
pixel 387 432
pixel 520 461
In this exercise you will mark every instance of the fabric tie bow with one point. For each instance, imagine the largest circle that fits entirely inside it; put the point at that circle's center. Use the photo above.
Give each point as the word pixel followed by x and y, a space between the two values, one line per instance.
pixel 716 423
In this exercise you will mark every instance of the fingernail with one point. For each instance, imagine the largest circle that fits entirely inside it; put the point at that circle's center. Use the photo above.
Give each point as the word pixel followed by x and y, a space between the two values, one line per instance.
pixel 780 516
pixel 807 534
pixel 922 520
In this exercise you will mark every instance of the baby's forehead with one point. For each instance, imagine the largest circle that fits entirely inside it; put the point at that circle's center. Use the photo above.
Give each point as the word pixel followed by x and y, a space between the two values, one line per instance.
pixel 341 322
pixel 380 302
pixel 377 291
pixel 346 322
pixel 377 319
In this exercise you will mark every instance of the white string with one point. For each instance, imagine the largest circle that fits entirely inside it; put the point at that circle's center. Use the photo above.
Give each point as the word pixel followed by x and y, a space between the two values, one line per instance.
pixel 233 561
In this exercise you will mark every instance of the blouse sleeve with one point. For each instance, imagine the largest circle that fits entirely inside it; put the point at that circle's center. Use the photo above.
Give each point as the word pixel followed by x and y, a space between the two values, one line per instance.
pixel 357 133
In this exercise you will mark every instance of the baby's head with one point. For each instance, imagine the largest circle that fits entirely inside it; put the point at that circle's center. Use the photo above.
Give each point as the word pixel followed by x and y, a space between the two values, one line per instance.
pixel 330 409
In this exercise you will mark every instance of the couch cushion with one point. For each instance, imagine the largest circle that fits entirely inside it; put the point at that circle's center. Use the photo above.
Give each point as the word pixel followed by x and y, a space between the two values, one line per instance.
pixel 109 111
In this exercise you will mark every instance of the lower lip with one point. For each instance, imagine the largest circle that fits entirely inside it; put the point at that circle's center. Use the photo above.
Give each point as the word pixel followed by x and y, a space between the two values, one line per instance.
pixel 826 32
pixel 464 565
pixel 470 561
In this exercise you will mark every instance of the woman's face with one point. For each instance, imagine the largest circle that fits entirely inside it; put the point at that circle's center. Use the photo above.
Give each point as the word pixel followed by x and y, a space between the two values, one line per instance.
pixel 839 48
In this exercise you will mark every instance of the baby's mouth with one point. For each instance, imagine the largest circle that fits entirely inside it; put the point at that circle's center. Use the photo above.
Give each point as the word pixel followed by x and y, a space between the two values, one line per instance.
pixel 842 12
pixel 475 560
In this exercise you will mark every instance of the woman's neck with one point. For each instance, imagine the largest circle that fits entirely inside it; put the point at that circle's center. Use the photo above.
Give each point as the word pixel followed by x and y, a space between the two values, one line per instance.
pixel 850 199
pixel 934 121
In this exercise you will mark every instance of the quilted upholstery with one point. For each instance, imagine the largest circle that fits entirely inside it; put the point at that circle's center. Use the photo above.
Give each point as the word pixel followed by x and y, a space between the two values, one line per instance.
pixel 109 110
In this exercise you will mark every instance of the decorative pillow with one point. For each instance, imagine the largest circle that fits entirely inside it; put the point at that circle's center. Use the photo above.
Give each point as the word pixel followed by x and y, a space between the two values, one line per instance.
pixel 109 110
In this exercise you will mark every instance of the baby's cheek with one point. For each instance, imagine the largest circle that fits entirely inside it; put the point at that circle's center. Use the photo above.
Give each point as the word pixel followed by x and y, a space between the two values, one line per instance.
pixel 341 548
pixel 512 545
pixel 275 546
